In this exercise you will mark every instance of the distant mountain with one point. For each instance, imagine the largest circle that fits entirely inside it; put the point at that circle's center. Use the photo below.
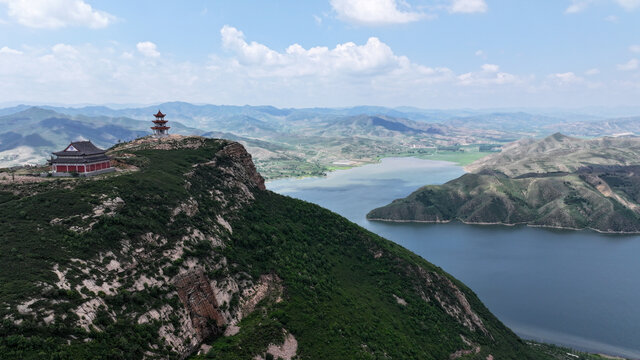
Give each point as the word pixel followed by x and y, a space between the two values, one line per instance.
pixel 378 126
pixel 299 142
pixel 609 127
pixel 29 136
pixel 559 153
pixel 558 181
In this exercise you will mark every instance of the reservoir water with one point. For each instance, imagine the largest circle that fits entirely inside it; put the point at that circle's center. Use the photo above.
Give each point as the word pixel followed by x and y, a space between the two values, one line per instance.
pixel 575 288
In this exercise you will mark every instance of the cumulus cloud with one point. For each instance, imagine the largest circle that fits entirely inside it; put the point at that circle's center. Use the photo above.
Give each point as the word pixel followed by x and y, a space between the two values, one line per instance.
pixel 634 49
pixel 53 14
pixel 374 12
pixel 370 58
pixel 342 74
pixel 148 49
pixel 10 51
pixel 592 72
pixel 468 6
pixel 629 65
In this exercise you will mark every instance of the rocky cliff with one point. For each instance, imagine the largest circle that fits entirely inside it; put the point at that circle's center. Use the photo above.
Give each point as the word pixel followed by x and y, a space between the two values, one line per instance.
pixel 183 251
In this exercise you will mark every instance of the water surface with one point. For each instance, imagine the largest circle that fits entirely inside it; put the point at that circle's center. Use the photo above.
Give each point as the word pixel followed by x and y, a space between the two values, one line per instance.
pixel 574 288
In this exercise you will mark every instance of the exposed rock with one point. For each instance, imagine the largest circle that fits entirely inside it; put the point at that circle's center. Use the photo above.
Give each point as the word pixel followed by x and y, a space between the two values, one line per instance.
pixel 241 158
pixel 62 280
pixel 231 330
pixel 268 284
pixel 197 296
pixel 400 300
pixel 286 351
pixel 452 300
pixel 144 280
pixel 224 223
pixel 189 208
pixel 87 312
pixel 109 204
pixel 25 307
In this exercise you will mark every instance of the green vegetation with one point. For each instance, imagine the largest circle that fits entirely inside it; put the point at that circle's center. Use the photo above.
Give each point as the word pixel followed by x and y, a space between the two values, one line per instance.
pixel 340 300
pixel 32 242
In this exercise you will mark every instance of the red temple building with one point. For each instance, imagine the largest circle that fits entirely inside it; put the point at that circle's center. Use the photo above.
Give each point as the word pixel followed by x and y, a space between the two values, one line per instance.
pixel 81 157
pixel 160 128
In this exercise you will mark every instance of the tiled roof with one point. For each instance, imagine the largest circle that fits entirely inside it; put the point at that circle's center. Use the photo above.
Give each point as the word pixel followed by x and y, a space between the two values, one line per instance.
pixel 80 148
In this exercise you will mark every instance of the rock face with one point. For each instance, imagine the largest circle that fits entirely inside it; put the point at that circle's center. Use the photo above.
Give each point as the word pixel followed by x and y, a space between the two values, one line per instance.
pixel 242 161
pixel 200 302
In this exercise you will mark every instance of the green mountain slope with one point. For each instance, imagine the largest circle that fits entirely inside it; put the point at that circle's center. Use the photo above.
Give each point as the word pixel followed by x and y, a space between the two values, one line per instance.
pixel 183 250
pixel 554 182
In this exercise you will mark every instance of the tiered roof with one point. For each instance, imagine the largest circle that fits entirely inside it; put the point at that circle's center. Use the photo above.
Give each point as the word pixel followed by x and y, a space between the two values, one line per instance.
pixel 79 152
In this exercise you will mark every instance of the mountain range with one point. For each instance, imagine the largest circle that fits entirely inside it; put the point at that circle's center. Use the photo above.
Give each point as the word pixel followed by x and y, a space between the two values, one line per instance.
pixel 298 142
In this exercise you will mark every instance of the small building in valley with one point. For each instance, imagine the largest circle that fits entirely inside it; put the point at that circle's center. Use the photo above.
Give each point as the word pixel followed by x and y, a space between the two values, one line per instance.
pixel 82 158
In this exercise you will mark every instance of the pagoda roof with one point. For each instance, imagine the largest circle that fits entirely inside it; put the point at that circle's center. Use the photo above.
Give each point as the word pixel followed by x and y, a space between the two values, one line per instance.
pixel 159 114
pixel 80 148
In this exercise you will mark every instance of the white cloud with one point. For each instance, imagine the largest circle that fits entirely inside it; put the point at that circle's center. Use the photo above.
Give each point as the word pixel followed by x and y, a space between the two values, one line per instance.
pixel 343 74
pixel 567 78
pixel 148 49
pixel 577 6
pixel 491 68
pixel 54 14
pixel 611 18
pixel 592 72
pixel 581 5
pixel 490 75
pixel 9 51
pixel 634 48
pixel 629 66
pixel 468 6
pixel 348 58
pixel 374 12
pixel 628 4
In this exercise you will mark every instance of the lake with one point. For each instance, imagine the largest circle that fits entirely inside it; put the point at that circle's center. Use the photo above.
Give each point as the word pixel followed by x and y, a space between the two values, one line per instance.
pixel 575 288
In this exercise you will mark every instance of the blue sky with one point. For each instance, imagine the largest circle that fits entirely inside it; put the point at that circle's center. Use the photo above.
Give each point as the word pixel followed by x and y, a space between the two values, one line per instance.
pixel 425 53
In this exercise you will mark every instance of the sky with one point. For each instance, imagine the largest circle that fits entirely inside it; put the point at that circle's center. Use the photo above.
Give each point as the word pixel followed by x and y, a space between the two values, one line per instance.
pixel 333 53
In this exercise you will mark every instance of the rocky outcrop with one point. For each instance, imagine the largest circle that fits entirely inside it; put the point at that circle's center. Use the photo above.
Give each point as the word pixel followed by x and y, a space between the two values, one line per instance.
pixel 197 296
pixel 451 299
pixel 241 160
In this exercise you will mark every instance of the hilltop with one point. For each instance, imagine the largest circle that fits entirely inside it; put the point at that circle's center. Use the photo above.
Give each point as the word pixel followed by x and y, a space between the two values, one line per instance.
pixel 558 181
pixel 189 253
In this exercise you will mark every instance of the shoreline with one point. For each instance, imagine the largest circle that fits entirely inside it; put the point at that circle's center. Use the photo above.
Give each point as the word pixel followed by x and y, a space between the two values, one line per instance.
pixel 364 163
pixel 508 225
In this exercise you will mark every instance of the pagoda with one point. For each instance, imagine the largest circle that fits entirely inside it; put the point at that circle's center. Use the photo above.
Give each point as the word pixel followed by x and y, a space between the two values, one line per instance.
pixel 82 158
pixel 160 128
